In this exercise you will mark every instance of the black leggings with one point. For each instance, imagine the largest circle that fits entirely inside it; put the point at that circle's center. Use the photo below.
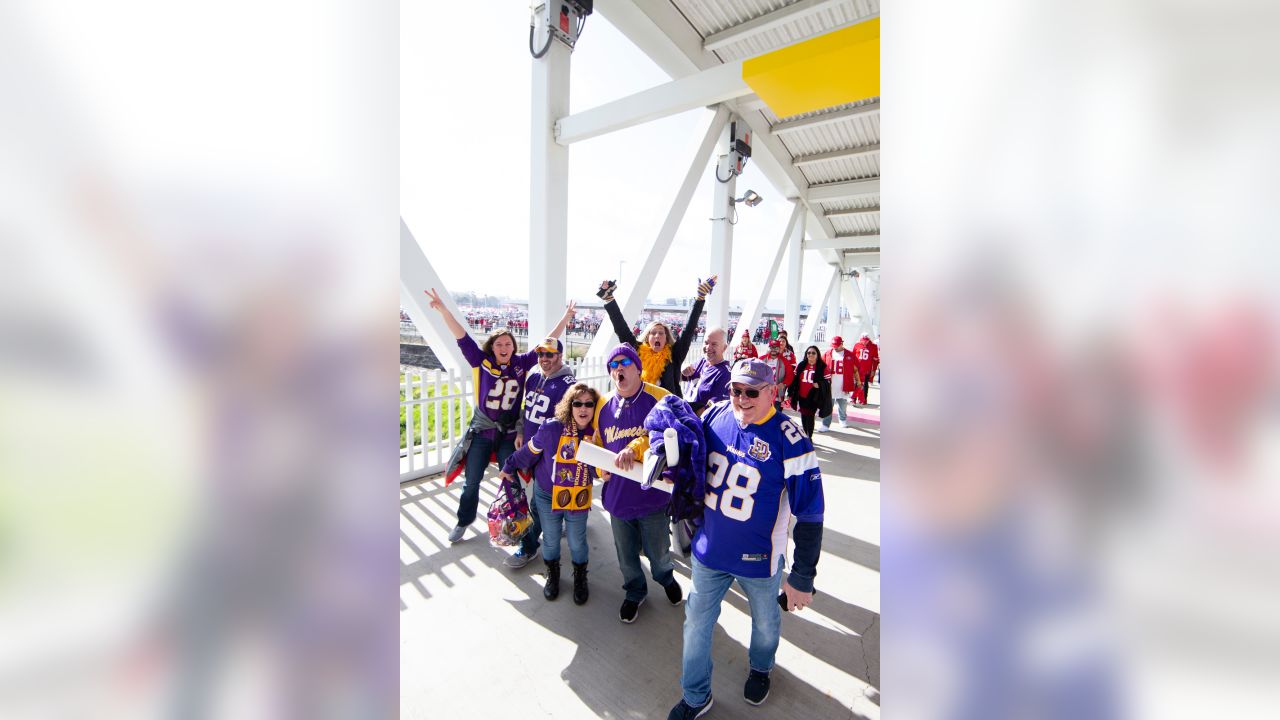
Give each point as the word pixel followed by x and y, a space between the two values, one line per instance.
pixel 806 422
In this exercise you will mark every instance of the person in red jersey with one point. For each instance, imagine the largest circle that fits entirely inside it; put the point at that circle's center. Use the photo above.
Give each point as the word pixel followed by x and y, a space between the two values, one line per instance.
pixel 844 377
pixel 809 388
pixel 745 348
pixel 866 358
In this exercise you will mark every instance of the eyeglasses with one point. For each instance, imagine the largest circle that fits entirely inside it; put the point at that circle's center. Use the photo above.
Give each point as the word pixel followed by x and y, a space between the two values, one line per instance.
pixel 749 392
pixel 578 404
pixel 620 362
pixel 542 354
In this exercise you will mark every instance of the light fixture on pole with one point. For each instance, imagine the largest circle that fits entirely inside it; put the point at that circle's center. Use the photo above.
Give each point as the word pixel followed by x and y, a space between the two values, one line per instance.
pixel 751 198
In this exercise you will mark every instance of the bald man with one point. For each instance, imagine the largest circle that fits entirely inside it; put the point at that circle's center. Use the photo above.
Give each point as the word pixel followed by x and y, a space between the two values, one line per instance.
pixel 711 371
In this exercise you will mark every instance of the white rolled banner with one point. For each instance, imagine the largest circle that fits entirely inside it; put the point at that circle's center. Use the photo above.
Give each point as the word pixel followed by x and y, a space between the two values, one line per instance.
pixel 598 457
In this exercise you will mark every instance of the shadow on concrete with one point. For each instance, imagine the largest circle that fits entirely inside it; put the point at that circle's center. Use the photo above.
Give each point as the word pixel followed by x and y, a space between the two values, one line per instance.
pixel 848 649
pixel 434 500
pixel 633 671
pixel 853 549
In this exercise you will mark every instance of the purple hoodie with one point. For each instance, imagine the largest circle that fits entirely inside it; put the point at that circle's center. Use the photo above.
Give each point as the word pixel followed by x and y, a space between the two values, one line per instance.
pixel 540 454
pixel 712 382
pixel 541 395
pixel 620 424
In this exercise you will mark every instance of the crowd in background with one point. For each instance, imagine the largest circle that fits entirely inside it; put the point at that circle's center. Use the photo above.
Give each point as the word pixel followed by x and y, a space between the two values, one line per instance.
pixel 586 326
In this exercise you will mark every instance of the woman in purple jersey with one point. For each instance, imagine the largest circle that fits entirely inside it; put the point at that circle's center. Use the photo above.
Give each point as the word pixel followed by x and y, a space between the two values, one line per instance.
pixel 562 493
pixel 498 373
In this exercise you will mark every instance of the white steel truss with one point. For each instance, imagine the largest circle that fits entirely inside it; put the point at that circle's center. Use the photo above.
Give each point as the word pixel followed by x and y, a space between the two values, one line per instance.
pixel 635 295
pixel 703 89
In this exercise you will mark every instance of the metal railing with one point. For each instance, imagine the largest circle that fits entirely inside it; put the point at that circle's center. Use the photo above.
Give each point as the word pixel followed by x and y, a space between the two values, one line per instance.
pixel 436 407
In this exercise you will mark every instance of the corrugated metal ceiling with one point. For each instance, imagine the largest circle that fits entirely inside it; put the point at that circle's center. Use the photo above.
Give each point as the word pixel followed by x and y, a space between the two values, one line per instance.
pixel 857 131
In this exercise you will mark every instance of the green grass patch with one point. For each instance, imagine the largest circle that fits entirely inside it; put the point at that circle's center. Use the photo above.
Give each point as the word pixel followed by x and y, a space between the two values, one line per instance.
pixel 433 431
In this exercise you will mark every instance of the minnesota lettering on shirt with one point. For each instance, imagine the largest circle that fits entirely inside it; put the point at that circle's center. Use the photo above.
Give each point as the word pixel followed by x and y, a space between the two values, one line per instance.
pixel 613 434
pixel 619 424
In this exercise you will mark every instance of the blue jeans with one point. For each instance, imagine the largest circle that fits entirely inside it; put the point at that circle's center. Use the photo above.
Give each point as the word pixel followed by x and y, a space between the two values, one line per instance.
pixel 477 462
pixel 840 408
pixel 529 541
pixel 702 609
pixel 652 533
pixel 553 522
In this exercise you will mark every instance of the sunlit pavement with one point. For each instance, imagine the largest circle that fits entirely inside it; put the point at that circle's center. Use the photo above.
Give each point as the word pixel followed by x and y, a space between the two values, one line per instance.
pixel 478 640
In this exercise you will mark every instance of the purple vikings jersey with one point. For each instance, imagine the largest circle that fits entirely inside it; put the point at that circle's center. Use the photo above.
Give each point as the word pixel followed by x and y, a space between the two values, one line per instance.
pixel 497 387
pixel 541 395
pixel 712 382
pixel 534 454
pixel 758 477
pixel 620 423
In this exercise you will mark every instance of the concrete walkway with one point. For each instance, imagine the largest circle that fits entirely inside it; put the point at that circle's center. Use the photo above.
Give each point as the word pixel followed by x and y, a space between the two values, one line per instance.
pixel 477 640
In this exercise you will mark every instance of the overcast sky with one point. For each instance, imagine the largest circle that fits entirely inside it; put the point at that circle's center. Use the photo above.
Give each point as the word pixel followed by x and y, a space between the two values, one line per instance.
pixel 465 165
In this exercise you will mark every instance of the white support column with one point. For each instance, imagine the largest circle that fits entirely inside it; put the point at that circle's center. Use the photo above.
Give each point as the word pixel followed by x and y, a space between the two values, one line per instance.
pixel 873 299
pixel 834 324
pixel 548 188
pixel 815 315
pixel 635 294
pixel 722 235
pixel 751 315
pixel 795 270
pixel 852 293
pixel 416 277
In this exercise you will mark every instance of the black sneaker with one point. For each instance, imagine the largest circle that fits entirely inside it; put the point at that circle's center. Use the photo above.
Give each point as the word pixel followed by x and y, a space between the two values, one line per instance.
pixel 757 687
pixel 627 613
pixel 685 711
pixel 674 594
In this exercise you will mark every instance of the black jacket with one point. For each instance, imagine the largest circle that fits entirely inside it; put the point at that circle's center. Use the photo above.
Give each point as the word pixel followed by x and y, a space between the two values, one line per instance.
pixel 671 373
pixel 819 399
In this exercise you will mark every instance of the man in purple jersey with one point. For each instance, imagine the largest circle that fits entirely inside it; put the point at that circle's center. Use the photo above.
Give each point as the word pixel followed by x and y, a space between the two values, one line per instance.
pixel 711 372
pixel 761 471
pixel 498 374
pixel 544 386
pixel 637 515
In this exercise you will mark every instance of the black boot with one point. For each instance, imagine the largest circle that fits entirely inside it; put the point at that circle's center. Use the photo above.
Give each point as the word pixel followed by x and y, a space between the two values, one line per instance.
pixel 552 589
pixel 579 583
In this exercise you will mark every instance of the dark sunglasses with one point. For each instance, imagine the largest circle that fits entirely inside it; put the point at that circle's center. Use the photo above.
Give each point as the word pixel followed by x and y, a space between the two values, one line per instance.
pixel 620 362
pixel 749 392
pixel 578 404
pixel 543 354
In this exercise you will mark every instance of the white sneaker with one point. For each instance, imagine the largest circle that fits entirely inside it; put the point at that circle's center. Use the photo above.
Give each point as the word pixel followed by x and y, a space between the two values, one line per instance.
pixel 822 428
pixel 519 559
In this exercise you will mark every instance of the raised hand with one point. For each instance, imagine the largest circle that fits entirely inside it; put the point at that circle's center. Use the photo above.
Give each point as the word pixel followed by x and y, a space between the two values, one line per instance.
pixel 605 292
pixel 706 286
pixel 436 303
pixel 571 309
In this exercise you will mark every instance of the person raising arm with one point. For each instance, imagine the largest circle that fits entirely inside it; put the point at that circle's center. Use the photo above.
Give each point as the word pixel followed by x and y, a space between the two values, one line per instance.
pixel 498 374
pixel 661 355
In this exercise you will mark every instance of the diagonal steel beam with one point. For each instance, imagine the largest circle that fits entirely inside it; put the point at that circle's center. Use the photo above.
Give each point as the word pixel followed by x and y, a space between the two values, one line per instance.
pixel 634 303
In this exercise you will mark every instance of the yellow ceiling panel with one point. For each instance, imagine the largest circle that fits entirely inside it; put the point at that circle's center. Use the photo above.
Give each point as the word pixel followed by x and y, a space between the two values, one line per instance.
pixel 833 69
